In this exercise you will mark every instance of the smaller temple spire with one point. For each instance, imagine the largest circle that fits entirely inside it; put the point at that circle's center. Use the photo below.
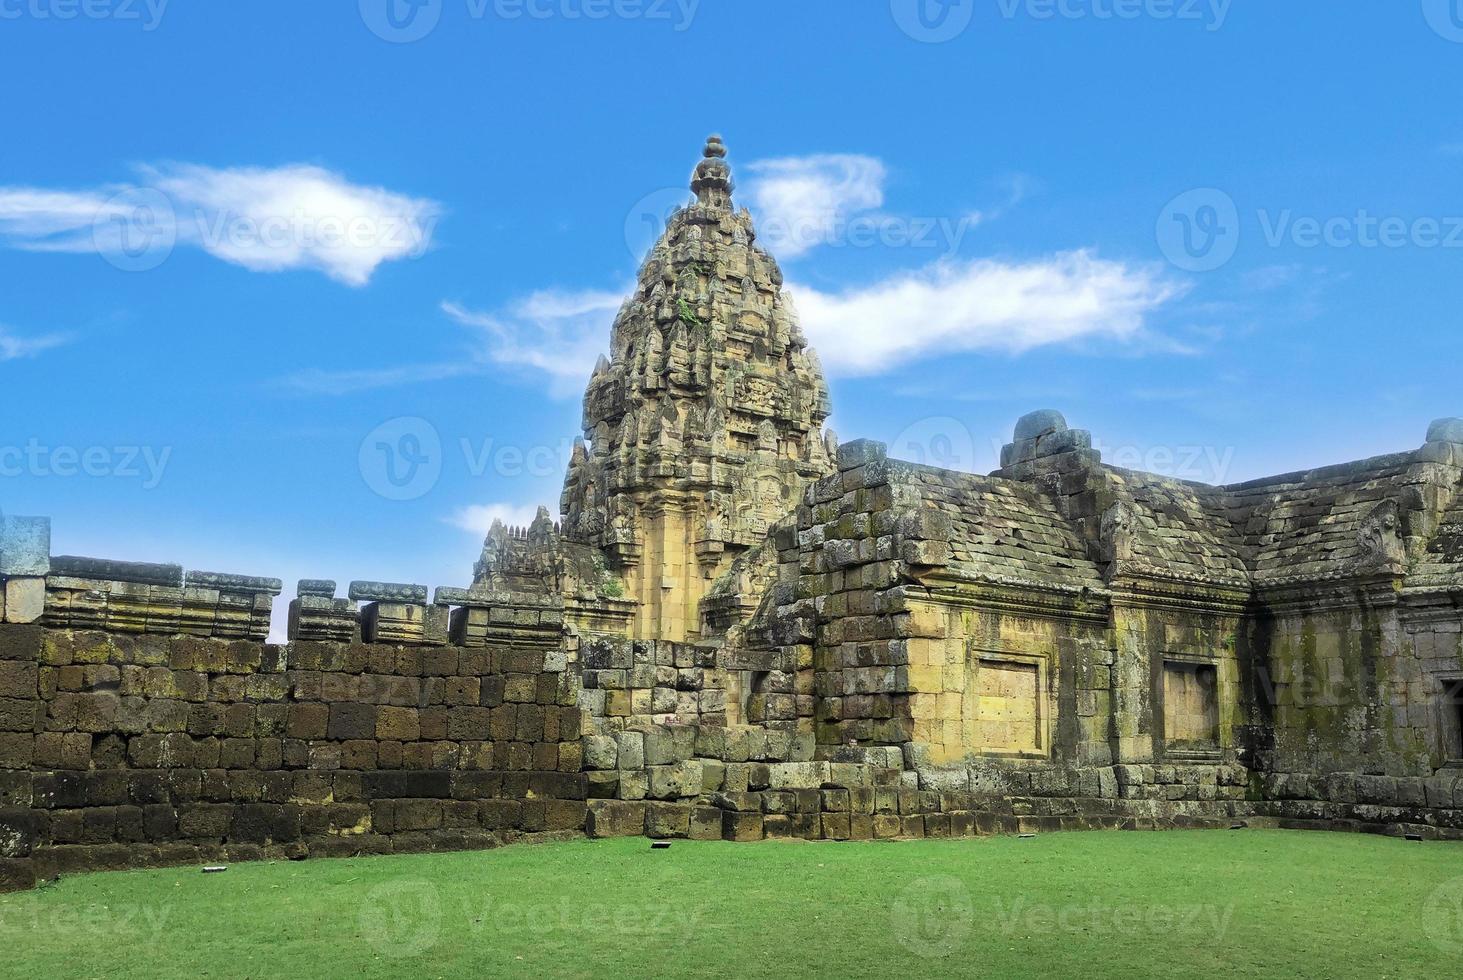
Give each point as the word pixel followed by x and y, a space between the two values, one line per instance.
pixel 712 181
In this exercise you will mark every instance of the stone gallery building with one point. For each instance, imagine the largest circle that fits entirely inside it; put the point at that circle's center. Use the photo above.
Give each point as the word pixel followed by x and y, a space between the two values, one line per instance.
pixel 737 628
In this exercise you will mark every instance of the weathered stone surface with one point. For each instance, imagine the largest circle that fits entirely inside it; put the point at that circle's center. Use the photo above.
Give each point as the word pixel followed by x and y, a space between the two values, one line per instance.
pixel 107 570
pixel 228 582
pixel 388 592
pixel 25 546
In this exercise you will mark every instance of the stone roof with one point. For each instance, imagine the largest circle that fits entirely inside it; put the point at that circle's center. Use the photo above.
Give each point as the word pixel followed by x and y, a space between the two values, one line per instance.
pixel 1004 530
pixel 1313 524
pixel 1178 529
pixel 1055 514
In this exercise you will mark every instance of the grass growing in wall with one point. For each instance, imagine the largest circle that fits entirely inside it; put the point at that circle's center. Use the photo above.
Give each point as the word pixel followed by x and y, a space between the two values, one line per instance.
pixel 1247 903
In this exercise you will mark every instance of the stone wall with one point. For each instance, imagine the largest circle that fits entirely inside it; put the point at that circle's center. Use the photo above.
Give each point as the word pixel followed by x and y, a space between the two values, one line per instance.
pixel 122 750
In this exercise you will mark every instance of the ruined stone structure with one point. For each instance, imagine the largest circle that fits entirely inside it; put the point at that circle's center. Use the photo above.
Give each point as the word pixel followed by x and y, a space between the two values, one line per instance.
pixel 705 424
pixel 738 629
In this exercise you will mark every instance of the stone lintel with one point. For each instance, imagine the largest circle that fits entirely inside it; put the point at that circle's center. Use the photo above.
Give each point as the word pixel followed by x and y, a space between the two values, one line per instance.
pixel 228 582
pixel 105 569
pixel 322 587
pixel 388 592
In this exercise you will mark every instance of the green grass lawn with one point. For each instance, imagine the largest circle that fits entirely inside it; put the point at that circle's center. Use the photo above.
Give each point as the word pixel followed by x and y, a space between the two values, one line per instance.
pixel 1247 903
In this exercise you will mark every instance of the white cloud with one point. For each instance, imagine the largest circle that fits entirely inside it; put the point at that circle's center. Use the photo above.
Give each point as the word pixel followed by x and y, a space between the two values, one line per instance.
pixel 557 332
pixel 13 348
pixel 478 518
pixel 803 202
pixel 266 220
pixel 982 305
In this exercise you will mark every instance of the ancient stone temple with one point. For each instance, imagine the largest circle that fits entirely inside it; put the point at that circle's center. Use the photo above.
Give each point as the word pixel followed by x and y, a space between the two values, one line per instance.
pixel 737 629
pixel 705 423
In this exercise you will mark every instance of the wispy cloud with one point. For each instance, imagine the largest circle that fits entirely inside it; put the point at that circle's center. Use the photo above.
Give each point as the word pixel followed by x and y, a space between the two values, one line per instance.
pixel 554 333
pixel 266 220
pixel 478 518
pixel 14 347
pixel 559 333
pixel 983 305
pixel 802 202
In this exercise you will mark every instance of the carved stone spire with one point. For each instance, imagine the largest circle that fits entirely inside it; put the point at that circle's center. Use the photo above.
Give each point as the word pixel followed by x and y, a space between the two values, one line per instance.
pixel 706 423
pixel 712 182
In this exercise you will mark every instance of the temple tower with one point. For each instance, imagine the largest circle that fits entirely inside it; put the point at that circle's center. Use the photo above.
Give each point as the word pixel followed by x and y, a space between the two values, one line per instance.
pixel 705 423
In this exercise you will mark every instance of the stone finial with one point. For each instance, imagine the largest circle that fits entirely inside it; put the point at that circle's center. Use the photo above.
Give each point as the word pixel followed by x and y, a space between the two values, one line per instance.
pixel 1034 425
pixel 1044 433
pixel 1446 430
pixel 712 181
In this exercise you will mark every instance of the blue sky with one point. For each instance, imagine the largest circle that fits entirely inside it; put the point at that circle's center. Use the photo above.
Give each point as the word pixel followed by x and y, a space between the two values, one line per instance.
pixel 243 246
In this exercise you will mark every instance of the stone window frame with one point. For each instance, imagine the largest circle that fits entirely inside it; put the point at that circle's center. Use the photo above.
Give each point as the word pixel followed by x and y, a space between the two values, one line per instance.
pixel 975 655
pixel 1210 660
pixel 1449 718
